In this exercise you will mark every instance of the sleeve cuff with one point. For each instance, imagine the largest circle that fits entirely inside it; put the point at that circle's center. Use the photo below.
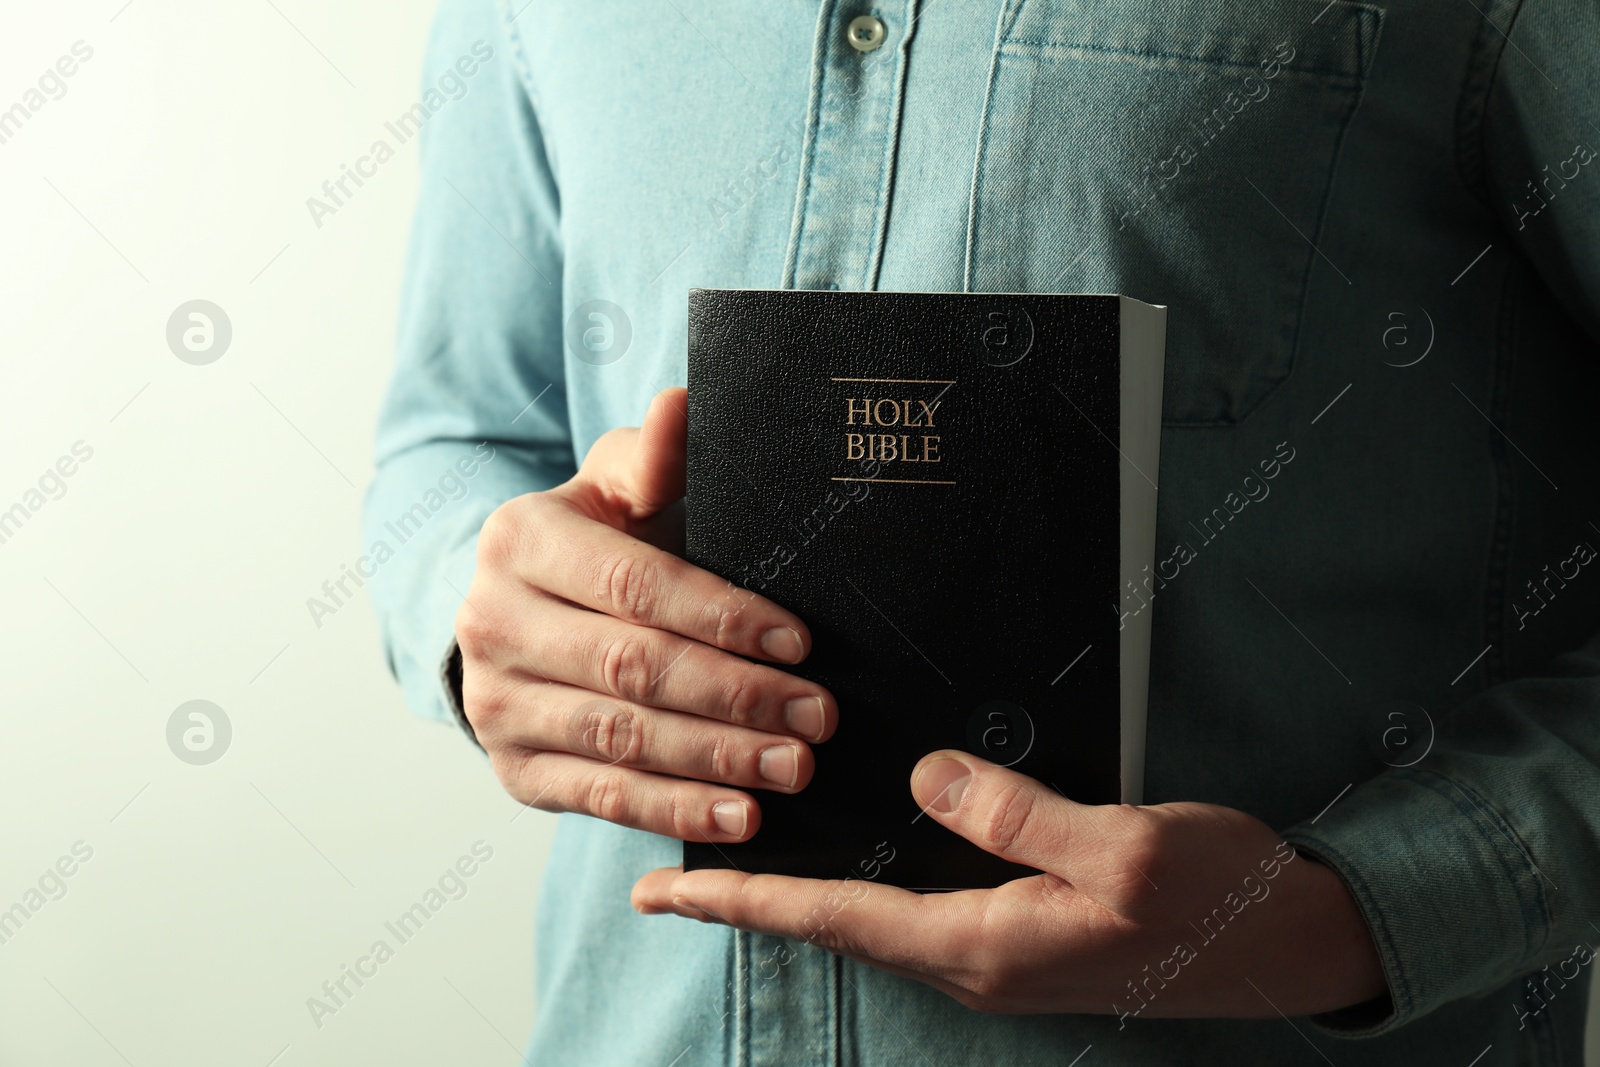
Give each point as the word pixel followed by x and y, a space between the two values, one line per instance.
pixel 450 677
pixel 1423 854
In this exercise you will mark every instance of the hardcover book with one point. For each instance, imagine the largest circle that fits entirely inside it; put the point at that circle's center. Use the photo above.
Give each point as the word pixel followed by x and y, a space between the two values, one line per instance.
pixel 953 490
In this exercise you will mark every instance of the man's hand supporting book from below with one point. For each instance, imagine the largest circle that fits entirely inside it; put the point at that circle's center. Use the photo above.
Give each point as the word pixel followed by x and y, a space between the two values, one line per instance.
pixel 606 676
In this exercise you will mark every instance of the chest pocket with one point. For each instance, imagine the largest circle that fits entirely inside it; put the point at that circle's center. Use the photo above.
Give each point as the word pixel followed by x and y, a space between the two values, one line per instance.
pixel 1176 151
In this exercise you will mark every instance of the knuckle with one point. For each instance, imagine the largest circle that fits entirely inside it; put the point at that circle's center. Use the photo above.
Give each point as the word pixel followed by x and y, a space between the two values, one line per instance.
pixel 1004 817
pixel 626 668
pixel 500 534
pixel 628 587
pixel 607 731
pixel 721 759
pixel 728 622
pixel 606 797
pixel 1145 848
pixel 474 633
pixel 743 700
pixel 681 817
pixel 816 928
pixel 483 701
pixel 822 925
pixel 518 775
pixel 504 773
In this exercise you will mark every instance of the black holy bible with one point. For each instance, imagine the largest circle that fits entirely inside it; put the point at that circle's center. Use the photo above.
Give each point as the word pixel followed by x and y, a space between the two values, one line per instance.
pixel 952 490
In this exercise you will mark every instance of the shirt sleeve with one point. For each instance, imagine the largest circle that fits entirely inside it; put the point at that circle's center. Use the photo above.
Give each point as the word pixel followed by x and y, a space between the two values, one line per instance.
pixel 476 410
pixel 1473 867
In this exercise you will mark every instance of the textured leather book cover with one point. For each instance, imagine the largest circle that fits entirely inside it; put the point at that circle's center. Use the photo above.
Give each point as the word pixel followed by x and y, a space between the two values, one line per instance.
pixel 936 483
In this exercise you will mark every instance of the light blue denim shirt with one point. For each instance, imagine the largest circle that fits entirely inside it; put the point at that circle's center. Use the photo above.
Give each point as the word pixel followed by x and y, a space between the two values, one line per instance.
pixel 1378 231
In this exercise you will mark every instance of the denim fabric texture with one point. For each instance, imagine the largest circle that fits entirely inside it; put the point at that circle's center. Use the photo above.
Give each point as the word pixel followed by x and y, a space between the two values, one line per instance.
pixel 1377 227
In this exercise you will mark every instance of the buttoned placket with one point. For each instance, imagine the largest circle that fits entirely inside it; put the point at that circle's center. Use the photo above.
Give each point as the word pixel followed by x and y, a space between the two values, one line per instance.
pixel 792 994
pixel 847 161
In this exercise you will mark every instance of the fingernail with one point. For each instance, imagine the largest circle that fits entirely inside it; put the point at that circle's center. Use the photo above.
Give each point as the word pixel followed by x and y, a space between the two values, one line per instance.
pixel 940 785
pixel 804 716
pixel 687 905
pixel 783 643
pixel 780 765
pixel 730 817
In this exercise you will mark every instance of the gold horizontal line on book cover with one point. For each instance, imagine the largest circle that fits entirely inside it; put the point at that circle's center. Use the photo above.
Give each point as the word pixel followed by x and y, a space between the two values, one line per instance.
pixel 897 481
pixel 901 381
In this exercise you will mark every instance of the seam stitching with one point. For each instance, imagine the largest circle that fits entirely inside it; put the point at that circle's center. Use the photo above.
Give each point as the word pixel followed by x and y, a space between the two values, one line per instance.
pixel 1368 26
pixel 1485 816
pixel 1354 76
pixel 741 940
pixel 1497 664
pixel 885 204
pixel 1486 52
pixel 808 147
pixel 1008 12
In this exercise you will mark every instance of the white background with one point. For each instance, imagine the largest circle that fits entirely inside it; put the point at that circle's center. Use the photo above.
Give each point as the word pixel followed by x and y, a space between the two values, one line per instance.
pixel 222 897
pixel 178 562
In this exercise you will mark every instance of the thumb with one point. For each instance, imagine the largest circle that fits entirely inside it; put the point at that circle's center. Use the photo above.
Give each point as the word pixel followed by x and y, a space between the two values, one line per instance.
pixel 642 467
pixel 1019 818
pixel 656 477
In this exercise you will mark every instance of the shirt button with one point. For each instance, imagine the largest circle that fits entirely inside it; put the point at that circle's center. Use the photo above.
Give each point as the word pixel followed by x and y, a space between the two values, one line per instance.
pixel 865 33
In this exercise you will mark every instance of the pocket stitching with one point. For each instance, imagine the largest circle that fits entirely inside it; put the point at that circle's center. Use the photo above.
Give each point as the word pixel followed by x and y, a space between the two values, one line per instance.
pixel 1357 91
pixel 1350 79
pixel 1367 23
pixel 1365 30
